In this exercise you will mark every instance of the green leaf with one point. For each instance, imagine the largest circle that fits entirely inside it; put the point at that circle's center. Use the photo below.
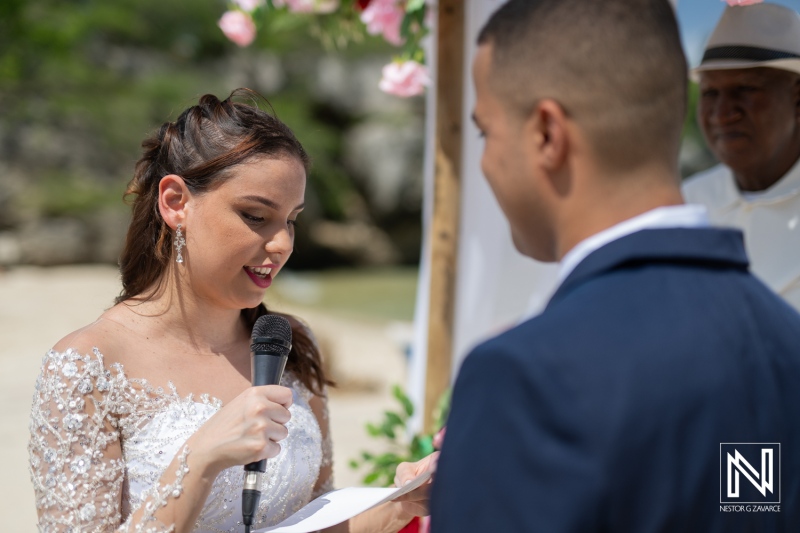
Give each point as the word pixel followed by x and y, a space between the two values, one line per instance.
pixel 388 459
pixel 426 446
pixel 393 419
pixel 405 26
pixel 414 5
pixel 388 431
pixel 442 408
pixel 373 430
pixel 353 464
pixel 408 406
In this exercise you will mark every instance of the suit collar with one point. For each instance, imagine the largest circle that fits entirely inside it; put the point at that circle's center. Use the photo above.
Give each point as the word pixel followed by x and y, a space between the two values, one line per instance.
pixel 668 216
pixel 701 246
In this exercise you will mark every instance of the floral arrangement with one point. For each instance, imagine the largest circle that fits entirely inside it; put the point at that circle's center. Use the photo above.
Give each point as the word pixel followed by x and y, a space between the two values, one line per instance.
pixel 742 2
pixel 401 23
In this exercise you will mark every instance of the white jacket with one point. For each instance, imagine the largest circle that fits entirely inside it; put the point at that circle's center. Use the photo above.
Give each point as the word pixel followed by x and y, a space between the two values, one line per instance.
pixel 769 219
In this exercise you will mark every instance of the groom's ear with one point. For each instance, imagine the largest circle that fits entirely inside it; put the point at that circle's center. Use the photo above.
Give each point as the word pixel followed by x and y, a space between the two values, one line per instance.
pixel 547 135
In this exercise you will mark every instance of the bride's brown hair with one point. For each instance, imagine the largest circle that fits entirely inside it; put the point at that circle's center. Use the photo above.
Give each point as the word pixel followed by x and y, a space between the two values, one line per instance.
pixel 201 146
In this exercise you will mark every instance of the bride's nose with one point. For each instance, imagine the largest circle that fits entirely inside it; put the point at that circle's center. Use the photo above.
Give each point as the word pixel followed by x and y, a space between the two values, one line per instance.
pixel 282 242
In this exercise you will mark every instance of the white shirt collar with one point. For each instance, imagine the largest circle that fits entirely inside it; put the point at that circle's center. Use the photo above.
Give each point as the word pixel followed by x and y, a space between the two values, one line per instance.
pixel 788 185
pixel 674 216
pixel 729 195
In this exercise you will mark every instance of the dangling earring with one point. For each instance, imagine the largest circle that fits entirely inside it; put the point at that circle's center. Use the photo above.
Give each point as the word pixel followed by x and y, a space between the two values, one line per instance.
pixel 180 242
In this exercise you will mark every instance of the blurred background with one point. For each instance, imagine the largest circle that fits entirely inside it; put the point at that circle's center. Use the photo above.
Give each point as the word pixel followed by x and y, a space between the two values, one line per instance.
pixel 83 82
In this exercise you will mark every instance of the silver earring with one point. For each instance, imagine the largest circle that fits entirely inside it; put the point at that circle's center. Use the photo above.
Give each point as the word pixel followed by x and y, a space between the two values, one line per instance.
pixel 180 242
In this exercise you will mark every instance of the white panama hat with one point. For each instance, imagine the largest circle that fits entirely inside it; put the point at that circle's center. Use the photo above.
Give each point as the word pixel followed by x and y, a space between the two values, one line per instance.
pixel 758 35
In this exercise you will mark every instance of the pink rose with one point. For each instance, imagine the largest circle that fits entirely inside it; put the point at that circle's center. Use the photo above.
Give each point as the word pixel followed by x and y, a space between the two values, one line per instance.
pixel 405 79
pixel 384 17
pixel 249 5
pixel 238 27
pixel 742 2
pixel 308 6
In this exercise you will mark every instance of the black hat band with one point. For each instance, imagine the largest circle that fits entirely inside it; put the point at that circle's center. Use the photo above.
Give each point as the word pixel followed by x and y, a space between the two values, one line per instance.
pixel 748 53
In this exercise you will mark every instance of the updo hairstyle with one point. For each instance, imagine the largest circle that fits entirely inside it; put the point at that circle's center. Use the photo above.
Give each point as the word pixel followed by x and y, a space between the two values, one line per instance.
pixel 202 146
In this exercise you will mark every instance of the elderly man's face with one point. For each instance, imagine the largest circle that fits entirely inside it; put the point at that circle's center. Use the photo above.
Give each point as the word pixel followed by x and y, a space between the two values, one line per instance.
pixel 750 117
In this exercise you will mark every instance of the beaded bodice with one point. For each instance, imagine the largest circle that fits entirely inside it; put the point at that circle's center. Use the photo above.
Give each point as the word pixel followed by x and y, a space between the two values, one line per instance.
pixel 101 441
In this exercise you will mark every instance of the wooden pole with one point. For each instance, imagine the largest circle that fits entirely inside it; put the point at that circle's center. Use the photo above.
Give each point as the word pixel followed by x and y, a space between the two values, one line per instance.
pixel 446 202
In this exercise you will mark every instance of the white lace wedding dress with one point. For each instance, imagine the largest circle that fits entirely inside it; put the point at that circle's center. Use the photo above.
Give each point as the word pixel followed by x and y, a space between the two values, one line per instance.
pixel 101 440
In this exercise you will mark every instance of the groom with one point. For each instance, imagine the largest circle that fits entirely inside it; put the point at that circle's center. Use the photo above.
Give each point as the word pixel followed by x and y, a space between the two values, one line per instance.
pixel 661 368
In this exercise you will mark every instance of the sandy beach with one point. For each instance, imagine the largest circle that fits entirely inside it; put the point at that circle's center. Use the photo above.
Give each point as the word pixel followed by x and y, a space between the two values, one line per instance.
pixel 38 306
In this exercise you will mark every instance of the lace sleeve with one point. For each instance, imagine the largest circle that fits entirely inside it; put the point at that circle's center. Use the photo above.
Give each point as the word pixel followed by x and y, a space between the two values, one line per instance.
pixel 76 462
pixel 319 405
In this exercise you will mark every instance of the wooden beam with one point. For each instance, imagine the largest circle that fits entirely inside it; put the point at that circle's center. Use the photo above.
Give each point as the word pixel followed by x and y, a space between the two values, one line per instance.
pixel 446 202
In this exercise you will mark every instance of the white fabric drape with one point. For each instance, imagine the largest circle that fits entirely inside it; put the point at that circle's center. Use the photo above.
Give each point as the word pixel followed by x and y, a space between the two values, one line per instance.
pixel 495 285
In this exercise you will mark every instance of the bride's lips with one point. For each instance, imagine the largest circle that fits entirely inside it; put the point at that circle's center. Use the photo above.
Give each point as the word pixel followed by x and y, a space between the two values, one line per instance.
pixel 261 275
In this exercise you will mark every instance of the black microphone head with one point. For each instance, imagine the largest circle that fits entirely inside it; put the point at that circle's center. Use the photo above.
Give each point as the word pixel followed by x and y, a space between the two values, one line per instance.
pixel 272 333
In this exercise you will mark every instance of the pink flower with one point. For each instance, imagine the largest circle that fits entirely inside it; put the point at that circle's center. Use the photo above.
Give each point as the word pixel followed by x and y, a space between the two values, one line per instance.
pixel 308 6
pixel 238 27
pixel 742 2
pixel 405 79
pixel 249 5
pixel 425 524
pixel 384 17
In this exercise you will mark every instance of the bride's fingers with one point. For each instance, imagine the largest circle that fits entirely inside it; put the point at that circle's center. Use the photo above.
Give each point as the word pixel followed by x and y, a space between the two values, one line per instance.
pixel 420 494
pixel 408 471
pixel 277 394
pixel 272 449
pixel 273 432
pixel 404 474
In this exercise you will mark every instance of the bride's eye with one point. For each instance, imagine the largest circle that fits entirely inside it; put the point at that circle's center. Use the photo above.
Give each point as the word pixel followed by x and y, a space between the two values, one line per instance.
pixel 252 218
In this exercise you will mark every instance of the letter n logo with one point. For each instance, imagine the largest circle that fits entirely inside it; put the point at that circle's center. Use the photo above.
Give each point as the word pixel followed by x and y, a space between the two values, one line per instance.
pixel 750 472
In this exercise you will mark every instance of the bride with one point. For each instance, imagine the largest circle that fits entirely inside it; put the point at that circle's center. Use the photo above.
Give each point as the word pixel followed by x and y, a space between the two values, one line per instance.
pixel 142 420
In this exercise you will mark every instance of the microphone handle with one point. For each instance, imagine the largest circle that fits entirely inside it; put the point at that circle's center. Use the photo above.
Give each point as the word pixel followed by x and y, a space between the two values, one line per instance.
pixel 266 369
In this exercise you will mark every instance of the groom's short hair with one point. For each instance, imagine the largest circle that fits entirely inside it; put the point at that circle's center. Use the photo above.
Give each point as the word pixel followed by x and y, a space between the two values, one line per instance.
pixel 616 67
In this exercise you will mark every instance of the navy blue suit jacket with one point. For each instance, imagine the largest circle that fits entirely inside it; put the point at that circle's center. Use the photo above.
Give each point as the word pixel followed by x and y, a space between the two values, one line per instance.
pixel 606 412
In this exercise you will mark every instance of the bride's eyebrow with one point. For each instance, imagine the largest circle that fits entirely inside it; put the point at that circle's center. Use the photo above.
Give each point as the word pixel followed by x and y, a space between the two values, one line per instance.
pixel 269 203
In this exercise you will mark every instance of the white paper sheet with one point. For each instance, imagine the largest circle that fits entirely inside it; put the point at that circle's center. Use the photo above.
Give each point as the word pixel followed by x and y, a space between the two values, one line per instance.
pixel 339 505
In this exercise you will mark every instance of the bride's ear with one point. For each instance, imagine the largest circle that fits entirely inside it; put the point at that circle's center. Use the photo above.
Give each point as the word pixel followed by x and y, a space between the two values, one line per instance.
pixel 173 196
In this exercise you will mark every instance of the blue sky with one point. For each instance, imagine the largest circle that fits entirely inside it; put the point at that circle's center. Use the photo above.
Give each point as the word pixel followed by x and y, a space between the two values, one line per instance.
pixel 698 17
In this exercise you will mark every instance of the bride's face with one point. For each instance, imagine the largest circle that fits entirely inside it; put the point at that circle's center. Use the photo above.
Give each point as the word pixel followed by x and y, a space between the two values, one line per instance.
pixel 240 234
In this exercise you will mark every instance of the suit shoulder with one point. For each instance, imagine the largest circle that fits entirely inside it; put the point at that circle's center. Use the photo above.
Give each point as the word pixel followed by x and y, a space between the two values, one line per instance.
pixel 532 339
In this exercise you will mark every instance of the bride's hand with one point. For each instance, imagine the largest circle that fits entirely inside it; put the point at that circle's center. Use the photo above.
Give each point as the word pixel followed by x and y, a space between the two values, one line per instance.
pixel 415 503
pixel 245 430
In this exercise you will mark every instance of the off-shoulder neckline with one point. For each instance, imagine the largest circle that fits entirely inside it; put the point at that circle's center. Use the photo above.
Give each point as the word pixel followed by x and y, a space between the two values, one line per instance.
pixel 171 394
pixel 156 391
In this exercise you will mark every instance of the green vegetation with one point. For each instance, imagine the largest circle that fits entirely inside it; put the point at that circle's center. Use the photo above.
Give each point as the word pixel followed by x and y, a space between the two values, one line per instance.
pixel 403 447
pixel 374 294
pixel 82 82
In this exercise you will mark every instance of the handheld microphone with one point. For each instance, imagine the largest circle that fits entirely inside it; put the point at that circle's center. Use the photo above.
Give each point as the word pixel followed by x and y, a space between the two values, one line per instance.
pixel 271 342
